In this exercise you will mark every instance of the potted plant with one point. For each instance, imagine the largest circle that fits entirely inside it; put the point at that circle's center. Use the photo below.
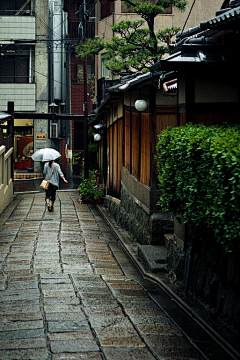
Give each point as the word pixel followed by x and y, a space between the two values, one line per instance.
pixel 98 193
pixel 86 189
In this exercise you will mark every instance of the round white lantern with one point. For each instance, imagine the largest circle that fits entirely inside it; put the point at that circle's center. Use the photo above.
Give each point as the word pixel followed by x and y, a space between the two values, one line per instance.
pixel 97 137
pixel 141 105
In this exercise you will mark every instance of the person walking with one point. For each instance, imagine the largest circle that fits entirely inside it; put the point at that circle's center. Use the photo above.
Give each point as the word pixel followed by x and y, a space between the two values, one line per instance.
pixel 52 172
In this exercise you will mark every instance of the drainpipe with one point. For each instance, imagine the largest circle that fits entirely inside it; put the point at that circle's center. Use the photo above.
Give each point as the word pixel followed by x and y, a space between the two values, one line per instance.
pixel 51 45
pixel 85 107
pixel 30 66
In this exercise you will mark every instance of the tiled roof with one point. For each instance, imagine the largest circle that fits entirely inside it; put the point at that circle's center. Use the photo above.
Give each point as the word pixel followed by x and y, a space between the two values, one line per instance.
pixel 226 19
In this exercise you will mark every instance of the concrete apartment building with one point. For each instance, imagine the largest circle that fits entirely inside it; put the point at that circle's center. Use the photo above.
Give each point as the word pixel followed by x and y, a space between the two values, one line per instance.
pixel 33 68
pixel 24 68
pixel 23 79
pixel 33 72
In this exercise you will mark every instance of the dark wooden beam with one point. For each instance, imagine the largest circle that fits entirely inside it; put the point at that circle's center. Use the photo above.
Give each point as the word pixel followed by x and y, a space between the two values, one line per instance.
pixel 46 116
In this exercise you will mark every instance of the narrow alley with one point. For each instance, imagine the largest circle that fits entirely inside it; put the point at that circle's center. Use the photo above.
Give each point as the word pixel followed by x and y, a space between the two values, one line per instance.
pixel 64 295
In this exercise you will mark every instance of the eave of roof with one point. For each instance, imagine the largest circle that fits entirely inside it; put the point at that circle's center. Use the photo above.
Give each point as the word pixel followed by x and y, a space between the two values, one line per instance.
pixel 196 55
pixel 228 19
pixel 225 19
pixel 140 79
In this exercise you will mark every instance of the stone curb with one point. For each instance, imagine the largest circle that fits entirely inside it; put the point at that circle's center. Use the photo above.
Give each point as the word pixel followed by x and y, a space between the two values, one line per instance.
pixel 132 251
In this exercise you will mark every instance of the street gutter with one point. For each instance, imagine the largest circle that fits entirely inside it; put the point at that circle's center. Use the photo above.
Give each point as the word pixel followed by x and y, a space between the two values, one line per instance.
pixel 132 251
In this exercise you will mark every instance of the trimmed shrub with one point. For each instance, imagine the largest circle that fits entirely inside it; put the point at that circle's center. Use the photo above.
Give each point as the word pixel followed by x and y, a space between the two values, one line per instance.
pixel 199 177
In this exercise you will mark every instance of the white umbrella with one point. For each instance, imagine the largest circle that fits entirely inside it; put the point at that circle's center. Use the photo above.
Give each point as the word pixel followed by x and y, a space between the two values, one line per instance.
pixel 46 154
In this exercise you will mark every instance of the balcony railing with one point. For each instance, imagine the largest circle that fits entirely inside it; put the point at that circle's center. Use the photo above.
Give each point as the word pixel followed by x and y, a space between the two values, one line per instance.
pixel 13 8
pixel 16 79
pixel 23 95
pixel 15 12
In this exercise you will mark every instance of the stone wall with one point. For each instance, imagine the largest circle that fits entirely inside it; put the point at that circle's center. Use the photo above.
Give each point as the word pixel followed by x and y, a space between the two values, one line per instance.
pixel 147 228
pixel 207 272
pixel 214 279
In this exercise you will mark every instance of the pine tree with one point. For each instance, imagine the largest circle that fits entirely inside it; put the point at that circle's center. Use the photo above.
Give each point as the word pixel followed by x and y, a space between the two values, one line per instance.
pixel 135 46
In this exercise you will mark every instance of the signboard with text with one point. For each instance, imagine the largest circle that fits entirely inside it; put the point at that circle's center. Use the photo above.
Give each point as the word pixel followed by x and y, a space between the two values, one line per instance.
pixel 41 136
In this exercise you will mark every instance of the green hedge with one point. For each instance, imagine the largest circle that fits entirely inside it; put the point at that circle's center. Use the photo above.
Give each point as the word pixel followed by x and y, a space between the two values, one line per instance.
pixel 199 177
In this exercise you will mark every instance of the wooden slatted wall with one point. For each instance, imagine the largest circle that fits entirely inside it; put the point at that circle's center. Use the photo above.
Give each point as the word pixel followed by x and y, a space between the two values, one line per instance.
pixel 145 159
pixel 120 141
pixel 127 143
pixel 115 158
pixel 165 116
pixel 135 145
pixel 110 155
pixel 129 146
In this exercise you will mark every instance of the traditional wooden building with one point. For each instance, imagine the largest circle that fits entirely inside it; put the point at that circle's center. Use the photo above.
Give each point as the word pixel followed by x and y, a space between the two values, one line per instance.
pixel 127 152
pixel 196 83
pixel 206 59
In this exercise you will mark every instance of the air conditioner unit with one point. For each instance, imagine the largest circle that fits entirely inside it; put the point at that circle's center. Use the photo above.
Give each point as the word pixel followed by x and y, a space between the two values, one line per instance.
pixel 53 130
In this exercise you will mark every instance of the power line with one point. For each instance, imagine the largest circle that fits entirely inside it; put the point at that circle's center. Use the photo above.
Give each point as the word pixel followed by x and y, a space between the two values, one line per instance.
pixel 187 17
pixel 37 72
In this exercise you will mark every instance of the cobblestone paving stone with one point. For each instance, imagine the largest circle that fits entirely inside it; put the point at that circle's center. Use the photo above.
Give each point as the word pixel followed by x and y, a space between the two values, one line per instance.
pixel 63 295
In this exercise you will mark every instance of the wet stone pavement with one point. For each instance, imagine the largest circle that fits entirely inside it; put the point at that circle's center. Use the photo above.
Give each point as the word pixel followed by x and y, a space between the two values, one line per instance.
pixel 63 295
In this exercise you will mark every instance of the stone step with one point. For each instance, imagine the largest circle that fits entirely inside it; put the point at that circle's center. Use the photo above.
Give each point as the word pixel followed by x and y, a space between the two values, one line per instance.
pixel 154 257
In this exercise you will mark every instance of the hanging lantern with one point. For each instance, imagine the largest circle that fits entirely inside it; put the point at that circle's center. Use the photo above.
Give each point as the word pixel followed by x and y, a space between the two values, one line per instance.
pixel 97 137
pixel 141 105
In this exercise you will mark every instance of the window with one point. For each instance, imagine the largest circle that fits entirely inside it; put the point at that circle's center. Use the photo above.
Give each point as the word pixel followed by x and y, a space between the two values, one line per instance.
pixel 14 69
pixel 15 7
pixel 168 10
pixel 105 71
pixel 107 8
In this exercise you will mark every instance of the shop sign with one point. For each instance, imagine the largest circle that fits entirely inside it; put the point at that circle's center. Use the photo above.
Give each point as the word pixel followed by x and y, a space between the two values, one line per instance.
pixel 41 136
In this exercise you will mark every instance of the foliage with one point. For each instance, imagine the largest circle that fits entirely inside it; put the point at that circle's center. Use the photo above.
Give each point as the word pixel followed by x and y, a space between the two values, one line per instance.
pixel 199 177
pixel 98 192
pixel 167 34
pixel 90 188
pixel 76 157
pixel 90 48
pixel 90 83
pixel 135 46
pixel 86 186
pixel 77 163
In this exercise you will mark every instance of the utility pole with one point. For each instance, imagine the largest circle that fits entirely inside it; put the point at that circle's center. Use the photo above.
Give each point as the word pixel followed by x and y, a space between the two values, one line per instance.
pixel 85 105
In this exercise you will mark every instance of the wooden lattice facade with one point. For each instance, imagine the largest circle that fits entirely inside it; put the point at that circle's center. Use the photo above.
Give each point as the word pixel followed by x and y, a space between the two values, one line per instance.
pixel 128 144
pixel 131 138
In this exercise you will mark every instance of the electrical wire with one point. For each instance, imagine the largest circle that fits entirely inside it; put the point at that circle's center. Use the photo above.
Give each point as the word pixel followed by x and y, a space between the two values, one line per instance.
pixel 187 17
pixel 49 30
pixel 37 72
